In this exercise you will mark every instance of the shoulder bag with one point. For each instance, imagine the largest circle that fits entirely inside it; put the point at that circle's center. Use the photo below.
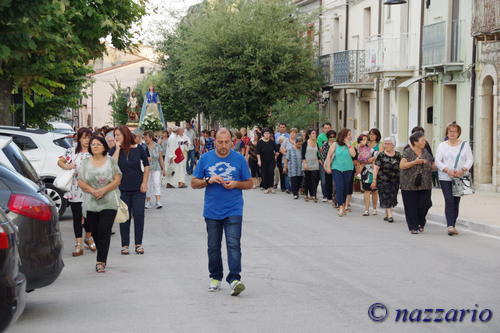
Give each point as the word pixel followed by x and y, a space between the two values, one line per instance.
pixel 122 214
pixel 64 180
pixel 461 185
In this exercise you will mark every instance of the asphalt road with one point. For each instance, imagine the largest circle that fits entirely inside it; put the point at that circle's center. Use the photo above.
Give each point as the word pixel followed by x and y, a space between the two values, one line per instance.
pixel 306 270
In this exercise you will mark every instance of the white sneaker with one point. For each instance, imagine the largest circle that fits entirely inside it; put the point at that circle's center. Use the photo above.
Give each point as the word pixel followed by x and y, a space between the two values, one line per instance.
pixel 148 205
pixel 324 200
pixel 158 205
pixel 374 212
pixel 214 285
pixel 237 287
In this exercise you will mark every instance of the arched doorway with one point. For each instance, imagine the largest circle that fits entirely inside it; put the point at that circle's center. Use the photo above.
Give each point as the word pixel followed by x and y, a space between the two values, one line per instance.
pixel 487 143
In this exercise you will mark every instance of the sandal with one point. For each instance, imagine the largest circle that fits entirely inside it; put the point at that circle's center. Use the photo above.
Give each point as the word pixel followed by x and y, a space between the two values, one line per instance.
pixel 390 220
pixel 125 251
pixel 366 213
pixel 78 250
pixel 90 243
pixel 100 267
pixel 139 249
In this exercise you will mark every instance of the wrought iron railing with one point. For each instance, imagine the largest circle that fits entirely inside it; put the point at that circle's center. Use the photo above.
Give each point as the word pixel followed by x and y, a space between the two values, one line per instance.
pixel 325 63
pixel 348 66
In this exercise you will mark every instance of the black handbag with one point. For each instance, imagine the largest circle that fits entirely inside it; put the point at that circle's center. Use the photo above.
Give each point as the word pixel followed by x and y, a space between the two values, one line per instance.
pixel 418 178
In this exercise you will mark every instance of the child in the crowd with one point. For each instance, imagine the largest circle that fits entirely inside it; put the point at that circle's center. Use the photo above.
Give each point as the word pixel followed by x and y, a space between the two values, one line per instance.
pixel 365 152
pixel 293 165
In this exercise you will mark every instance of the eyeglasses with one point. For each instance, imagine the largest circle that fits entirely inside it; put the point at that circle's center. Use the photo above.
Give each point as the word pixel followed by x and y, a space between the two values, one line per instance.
pixel 97 145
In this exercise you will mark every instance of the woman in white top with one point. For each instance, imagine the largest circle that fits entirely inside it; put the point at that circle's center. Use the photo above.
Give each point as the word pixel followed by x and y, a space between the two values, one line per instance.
pixel 446 156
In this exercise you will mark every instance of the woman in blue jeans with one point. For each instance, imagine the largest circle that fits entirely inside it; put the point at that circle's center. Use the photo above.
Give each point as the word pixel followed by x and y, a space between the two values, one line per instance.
pixel 339 162
pixel 134 185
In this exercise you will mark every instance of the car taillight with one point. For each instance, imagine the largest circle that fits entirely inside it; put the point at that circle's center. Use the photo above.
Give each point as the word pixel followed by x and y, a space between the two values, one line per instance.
pixel 4 239
pixel 30 207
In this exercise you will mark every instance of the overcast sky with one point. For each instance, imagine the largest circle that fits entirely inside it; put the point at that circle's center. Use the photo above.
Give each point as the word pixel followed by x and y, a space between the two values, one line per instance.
pixel 168 13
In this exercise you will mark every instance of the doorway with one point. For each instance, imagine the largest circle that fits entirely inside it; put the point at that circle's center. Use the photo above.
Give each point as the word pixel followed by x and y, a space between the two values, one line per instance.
pixel 403 110
pixel 449 105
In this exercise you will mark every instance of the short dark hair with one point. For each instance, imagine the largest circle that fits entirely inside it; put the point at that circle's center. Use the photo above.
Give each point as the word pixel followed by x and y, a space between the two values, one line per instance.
pixel 342 135
pixel 361 137
pixel 266 130
pixel 102 141
pixel 377 134
pixel 417 129
pixel 284 124
pixel 326 124
pixel 415 137
pixel 331 133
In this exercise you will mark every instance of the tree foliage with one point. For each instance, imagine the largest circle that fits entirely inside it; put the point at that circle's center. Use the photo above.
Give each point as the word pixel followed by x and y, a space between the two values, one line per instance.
pixel 119 104
pixel 299 113
pixel 44 42
pixel 233 60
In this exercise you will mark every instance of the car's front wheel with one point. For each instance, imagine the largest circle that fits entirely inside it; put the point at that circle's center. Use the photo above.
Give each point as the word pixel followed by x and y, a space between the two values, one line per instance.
pixel 57 196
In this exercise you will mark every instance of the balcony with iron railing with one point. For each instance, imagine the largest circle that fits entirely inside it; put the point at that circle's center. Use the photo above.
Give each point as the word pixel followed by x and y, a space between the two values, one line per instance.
pixel 388 52
pixel 345 69
pixel 348 66
pixel 442 45
pixel 485 17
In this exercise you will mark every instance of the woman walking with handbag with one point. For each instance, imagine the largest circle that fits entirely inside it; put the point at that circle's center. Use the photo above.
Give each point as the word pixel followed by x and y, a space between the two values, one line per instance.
pixel 339 161
pixel 71 161
pixel 99 177
pixel 453 159
pixel 416 182
pixel 133 190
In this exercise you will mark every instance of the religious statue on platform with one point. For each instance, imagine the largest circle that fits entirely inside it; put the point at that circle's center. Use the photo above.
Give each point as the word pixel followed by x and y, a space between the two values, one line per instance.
pixel 133 108
pixel 151 113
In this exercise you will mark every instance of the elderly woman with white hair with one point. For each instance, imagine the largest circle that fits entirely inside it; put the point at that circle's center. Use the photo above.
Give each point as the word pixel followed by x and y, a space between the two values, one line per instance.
pixel 386 177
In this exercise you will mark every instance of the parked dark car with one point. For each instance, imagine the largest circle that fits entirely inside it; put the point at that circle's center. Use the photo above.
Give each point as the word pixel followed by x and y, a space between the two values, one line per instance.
pixel 12 281
pixel 36 216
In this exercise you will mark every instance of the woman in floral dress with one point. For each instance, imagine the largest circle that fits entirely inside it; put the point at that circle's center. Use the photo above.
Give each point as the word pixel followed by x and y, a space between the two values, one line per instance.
pixel 386 177
pixel 72 159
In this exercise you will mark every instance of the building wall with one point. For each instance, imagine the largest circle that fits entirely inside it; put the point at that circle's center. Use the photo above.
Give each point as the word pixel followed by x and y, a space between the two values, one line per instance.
pixel 101 91
pixel 487 116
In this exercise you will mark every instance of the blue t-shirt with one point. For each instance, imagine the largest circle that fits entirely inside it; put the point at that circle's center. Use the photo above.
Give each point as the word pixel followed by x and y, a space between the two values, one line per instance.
pixel 278 135
pixel 220 202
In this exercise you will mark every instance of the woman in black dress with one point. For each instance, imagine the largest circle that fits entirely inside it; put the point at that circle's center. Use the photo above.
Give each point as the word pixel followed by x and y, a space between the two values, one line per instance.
pixel 266 158
pixel 386 177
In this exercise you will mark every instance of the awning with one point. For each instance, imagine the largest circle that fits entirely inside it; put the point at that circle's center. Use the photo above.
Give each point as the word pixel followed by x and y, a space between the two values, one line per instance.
pixel 407 83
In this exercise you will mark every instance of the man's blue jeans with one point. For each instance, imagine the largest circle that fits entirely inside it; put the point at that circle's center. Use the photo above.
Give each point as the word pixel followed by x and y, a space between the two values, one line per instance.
pixel 190 162
pixel 231 226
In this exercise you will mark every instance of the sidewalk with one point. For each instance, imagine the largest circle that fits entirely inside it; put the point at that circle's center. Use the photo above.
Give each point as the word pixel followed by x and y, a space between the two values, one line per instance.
pixel 479 212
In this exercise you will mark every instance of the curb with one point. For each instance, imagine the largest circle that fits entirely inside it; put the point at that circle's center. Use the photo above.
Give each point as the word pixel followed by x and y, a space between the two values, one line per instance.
pixel 474 226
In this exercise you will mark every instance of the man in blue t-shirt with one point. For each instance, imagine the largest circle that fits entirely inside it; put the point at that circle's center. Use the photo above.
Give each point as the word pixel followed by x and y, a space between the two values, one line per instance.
pixel 224 173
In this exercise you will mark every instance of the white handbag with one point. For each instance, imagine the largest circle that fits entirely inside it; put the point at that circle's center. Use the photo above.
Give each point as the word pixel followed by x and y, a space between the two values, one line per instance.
pixel 122 214
pixel 64 179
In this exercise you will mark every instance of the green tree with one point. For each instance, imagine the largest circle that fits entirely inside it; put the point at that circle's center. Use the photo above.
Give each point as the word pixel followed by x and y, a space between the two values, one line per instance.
pixel 233 60
pixel 299 113
pixel 119 104
pixel 44 41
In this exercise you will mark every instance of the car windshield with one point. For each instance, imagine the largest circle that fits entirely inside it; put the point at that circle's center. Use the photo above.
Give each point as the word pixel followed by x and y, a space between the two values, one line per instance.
pixel 63 142
pixel 20 162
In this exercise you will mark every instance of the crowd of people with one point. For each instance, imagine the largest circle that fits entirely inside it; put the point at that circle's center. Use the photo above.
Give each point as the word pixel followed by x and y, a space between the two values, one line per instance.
pixel 114 165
